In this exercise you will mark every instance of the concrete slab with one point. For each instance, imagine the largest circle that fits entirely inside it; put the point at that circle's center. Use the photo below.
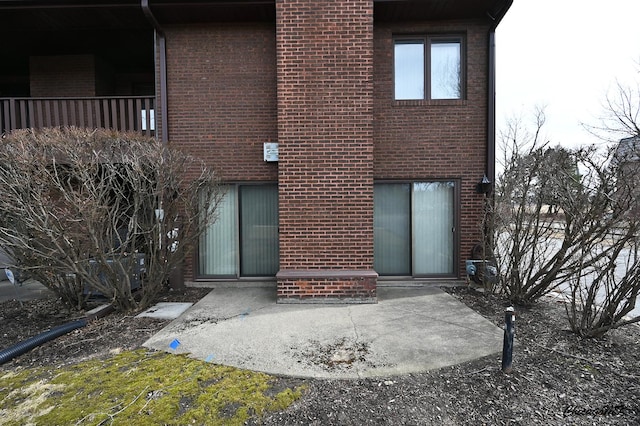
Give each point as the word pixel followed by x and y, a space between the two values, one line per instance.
pixel 409 330
pixel 165 310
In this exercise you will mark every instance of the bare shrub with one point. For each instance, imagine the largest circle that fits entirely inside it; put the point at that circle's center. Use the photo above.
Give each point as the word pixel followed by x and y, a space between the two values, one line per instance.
pixel 604 290
pixel 538 247
pixel 569 220
pixel 601 297
pixel 96 211
pixel 531 245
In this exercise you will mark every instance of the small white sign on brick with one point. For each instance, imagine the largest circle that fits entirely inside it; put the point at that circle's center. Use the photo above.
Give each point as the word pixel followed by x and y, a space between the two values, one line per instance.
pixel 270 152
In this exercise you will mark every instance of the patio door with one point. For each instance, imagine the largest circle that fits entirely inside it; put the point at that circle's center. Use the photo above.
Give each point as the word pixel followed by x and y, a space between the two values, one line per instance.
pixel 243 242
pixel 414 229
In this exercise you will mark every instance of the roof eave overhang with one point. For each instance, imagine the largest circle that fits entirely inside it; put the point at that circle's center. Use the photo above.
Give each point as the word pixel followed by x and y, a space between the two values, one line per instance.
pixel 188 11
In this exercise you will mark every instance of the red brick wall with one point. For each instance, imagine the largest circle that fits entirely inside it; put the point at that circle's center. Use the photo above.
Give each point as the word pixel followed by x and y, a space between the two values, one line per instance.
pixel 325 132
pixel 222 96
pixel 421 140
pixel 64 75
pixel 330 106
pixel 222 99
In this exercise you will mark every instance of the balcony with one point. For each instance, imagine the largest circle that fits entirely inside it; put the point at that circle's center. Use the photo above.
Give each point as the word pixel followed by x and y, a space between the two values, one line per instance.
pixel 127 113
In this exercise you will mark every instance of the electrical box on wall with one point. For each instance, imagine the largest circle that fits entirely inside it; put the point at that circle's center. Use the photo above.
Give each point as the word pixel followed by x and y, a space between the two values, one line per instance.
pixel 270 152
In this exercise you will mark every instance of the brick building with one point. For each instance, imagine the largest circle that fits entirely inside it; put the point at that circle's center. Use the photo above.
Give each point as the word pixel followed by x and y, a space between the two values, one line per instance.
pixel 351 134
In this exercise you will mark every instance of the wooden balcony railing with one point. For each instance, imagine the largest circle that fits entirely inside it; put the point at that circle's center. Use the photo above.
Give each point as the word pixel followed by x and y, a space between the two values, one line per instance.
pixel 131 113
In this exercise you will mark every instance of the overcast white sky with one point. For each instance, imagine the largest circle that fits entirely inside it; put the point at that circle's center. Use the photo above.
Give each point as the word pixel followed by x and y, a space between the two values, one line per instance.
pixel 565 55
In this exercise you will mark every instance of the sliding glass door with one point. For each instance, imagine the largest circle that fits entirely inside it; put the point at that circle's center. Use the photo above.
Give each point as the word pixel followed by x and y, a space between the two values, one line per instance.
pixel 244 239
pixel 414 228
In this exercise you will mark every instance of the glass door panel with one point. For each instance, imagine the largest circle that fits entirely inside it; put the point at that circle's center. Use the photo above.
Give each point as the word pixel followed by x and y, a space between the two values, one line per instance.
pixel 259 254
pixel 433 228
pixel 218 254
pixel 392 229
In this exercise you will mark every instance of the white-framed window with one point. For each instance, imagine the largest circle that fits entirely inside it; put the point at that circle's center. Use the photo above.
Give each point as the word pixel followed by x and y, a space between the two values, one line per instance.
pixel 429 67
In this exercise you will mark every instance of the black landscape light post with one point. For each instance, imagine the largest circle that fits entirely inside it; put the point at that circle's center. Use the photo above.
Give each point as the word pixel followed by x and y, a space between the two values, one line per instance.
pixel 509 332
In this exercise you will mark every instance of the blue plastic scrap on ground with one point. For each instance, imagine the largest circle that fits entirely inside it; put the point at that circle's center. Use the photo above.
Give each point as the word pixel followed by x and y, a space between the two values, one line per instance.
pixel 174 345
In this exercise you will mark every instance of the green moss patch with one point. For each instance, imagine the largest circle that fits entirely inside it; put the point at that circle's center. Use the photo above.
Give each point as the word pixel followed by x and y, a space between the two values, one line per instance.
pixel 142 388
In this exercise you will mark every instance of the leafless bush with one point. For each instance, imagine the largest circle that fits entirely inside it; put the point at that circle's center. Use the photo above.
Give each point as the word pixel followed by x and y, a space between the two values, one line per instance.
pixel 569 220
pixel 86 211
pixel 525 235
pixel 604 290
pixel 537 247
pixel 603 294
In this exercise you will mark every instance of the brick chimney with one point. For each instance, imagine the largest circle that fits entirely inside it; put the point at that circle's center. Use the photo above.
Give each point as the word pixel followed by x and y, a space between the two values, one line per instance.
pixel 325 136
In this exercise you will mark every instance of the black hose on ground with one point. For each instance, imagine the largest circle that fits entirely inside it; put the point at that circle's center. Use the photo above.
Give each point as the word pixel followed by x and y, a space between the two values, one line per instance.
pixel 18 349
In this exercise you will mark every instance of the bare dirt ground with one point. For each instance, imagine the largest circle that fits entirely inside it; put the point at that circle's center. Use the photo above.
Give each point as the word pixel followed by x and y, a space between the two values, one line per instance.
pixel 557 378
pixel 115 332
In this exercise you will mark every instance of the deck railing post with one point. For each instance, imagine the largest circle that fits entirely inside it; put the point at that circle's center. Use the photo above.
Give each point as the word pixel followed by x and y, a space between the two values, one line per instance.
pixel 12 114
